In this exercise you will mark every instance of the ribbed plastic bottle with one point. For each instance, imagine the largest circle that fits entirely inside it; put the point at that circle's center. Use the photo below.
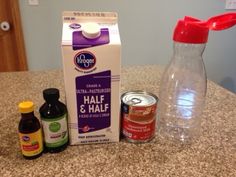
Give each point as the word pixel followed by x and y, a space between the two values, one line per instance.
pixel 183 84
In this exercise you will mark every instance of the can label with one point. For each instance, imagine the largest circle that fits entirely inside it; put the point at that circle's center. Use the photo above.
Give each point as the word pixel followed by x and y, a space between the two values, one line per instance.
pixel 32 143
pixel 139 116
pixel 138 131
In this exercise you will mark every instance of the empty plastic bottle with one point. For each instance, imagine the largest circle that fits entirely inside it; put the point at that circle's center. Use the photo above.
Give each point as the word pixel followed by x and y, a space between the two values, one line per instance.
pixel 184 82
pixel 183 85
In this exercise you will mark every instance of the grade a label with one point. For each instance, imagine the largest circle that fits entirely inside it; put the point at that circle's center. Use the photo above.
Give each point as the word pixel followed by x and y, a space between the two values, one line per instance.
pixel 93 94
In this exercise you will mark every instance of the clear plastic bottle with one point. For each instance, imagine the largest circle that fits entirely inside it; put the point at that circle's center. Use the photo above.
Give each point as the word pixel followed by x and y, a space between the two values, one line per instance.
pixel 183 86
pixel 184 83
pixel 182 93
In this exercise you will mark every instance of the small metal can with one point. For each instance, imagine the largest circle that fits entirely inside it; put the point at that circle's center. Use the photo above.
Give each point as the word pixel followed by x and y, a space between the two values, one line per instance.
pixel 138 114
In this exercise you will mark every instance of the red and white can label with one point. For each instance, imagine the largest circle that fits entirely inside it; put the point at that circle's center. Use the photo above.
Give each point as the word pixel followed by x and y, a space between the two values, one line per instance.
pixel 138 116
pixel 138 131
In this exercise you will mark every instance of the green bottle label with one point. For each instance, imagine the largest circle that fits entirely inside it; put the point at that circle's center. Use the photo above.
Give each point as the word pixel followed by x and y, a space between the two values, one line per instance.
pixel 55 131
pixel 54 126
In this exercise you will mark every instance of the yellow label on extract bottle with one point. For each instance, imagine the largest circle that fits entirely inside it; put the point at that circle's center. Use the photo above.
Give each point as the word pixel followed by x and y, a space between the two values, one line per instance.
pixel 31 143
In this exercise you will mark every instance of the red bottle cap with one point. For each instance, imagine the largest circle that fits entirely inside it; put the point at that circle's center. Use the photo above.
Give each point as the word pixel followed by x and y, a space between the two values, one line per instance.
pixel 189 31
pixel 192 30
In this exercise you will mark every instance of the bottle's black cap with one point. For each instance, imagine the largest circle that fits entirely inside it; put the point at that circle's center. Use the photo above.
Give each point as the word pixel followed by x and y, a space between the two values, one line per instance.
pixel 51 94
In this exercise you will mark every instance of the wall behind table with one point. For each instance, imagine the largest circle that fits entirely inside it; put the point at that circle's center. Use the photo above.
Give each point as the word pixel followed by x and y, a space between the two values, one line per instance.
pixel 146 30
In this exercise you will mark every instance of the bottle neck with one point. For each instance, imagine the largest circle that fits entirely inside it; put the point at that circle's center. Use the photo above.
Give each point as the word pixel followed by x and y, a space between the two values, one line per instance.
pixel 52 102
pixel 188 50
pixel 27 115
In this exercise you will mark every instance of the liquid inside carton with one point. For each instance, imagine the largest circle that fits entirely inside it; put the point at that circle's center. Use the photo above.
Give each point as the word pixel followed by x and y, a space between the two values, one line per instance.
pixel 91 50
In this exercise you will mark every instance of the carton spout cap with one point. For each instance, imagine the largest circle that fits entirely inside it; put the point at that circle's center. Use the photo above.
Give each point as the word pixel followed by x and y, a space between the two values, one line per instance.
pixel 91 30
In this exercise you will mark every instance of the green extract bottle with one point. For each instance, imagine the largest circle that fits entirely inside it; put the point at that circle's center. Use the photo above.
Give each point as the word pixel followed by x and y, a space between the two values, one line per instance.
pixel 54 120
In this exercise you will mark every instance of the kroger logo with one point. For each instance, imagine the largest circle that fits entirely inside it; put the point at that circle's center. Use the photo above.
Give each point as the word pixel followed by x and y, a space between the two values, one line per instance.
pixel 74 26
pixel 25 138
pixel 85 60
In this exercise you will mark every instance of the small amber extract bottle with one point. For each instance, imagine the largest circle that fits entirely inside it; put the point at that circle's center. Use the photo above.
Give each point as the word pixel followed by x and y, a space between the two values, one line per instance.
pixel 30 131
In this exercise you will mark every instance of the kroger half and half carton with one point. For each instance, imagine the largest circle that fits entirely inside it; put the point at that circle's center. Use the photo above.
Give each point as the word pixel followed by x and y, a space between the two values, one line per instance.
pixel 91 51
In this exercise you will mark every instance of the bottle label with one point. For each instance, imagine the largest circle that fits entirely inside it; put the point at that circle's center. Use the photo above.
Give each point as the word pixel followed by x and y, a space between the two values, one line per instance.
pixel 55 131
pixel 31 143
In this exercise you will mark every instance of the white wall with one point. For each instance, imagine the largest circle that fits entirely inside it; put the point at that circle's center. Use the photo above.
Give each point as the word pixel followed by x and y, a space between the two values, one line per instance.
pixel 146 32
